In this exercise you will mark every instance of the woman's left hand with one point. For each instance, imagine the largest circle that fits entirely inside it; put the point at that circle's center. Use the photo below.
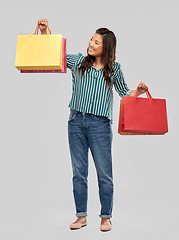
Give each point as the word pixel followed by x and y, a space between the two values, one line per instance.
pixel 142 88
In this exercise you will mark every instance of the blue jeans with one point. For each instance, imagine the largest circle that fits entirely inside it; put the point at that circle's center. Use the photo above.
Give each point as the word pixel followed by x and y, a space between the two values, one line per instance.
pixel 87 131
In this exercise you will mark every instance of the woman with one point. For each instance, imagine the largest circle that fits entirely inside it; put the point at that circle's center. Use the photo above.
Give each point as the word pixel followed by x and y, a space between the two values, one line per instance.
pixel 89 125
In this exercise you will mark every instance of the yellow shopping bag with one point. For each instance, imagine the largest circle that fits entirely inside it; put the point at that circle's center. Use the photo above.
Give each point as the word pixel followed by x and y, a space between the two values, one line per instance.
pixel 39 52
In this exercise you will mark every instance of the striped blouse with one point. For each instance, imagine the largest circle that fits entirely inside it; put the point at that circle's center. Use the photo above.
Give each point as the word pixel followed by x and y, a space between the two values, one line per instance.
pixel 89 94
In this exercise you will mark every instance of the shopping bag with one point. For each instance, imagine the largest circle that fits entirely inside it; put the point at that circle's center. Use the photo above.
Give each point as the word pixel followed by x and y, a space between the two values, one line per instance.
pixel 64 63
pixel 142 116
pixel 39 52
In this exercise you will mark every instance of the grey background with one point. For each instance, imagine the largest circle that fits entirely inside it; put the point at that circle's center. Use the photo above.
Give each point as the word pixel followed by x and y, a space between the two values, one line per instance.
pixel 36 201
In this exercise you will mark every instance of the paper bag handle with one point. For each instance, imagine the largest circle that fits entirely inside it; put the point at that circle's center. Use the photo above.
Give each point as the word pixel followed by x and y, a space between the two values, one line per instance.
pixel 36 29
pixel 147 93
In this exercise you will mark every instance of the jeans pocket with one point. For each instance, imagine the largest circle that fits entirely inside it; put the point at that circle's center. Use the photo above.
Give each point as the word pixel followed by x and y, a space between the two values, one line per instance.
pixel 101 118
pixel 72 115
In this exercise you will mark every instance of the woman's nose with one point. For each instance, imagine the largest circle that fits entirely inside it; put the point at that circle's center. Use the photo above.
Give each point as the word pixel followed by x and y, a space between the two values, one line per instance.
pixel 90 43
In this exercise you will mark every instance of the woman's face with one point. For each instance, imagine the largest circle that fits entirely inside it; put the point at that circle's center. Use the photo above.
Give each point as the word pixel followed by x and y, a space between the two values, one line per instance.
pixel 96 46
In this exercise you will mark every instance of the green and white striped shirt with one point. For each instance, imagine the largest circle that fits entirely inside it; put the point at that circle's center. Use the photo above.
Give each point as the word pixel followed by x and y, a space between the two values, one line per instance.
pixel 89 94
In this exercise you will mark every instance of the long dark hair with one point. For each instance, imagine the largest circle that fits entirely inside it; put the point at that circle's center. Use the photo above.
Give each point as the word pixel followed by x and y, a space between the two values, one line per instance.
pixel 108 58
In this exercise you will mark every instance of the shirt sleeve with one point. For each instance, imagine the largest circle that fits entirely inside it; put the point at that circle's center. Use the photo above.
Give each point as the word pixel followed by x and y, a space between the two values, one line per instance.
pixel 119 83
pixel 72 60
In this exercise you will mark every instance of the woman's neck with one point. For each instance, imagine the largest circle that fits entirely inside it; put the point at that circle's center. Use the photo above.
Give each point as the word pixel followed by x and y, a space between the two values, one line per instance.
pixel 98 63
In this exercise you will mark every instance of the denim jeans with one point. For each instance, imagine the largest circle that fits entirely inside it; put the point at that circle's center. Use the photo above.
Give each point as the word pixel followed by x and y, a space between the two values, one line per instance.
pixel 87 131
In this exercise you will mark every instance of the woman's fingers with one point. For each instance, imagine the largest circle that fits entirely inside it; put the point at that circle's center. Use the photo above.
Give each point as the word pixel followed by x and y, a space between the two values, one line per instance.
pixel 143 85
pixel 43 22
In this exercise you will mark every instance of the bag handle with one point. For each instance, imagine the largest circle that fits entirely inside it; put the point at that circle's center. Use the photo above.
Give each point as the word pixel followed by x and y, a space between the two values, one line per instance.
pixel 36 30
pixel 147 93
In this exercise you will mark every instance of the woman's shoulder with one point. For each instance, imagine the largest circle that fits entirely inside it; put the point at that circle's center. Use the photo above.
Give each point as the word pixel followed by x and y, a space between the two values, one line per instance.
pixel 116 65
pixel 74 59
pixel 76 56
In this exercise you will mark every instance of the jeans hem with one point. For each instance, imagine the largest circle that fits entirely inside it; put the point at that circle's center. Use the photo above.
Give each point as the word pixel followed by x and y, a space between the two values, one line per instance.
pixel 105 216
pixel 81 214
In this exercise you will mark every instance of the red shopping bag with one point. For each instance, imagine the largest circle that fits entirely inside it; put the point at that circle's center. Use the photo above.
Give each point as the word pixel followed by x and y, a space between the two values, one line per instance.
pixel 64 61
pixel 142 116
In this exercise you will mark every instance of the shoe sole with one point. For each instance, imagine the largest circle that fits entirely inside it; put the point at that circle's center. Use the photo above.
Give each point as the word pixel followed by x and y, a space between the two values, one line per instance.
pixel 78 228
pixel 105 230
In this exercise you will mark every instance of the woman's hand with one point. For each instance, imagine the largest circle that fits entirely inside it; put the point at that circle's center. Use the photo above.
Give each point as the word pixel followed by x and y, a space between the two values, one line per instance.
pixel 43 24
pixel 141 89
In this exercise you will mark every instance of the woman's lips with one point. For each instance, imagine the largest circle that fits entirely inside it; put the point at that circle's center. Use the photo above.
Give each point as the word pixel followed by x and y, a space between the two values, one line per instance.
pixel 91 50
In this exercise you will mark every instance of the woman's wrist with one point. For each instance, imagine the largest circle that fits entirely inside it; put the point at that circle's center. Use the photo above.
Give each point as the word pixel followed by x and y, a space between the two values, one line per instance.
pixel 132 94
pixel 44 31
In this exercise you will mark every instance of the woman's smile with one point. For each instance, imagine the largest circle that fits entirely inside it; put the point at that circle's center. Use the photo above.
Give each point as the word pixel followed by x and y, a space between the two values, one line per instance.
pixel 91 49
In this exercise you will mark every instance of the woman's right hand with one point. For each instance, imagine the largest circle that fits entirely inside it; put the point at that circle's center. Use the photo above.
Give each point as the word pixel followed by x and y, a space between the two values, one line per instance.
pixel 43 24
